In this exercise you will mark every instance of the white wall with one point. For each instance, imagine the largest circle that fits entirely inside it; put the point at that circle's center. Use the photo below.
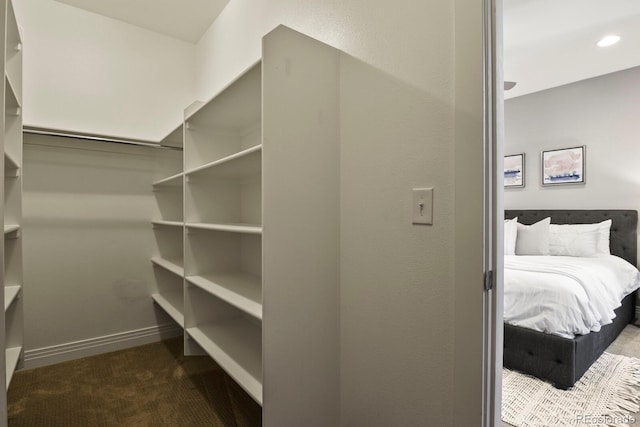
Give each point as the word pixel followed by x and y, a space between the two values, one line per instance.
pixel 392 37
pixel 87 241
pixel 601 113
pixel 396 133
pixel 87 73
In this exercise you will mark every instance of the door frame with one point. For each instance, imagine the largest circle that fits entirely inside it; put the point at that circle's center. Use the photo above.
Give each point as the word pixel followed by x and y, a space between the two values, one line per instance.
pixel 494 211
pixel 478 211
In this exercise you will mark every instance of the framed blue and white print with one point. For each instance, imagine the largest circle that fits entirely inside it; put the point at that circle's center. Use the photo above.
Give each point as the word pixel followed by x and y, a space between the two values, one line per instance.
pixel 514 171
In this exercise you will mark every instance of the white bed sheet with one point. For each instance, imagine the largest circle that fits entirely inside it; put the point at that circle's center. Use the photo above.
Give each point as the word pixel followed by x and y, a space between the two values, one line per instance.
pixel 565 296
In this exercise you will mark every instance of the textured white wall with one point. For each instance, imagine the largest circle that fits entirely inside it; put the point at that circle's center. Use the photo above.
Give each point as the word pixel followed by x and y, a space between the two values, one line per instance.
pixel 87 73
pixel 601 113
pixel 403 39
pixel 397 133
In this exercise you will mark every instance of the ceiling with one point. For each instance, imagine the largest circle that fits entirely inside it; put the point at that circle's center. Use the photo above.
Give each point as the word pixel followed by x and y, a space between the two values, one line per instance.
pixel 548 43
pixel 181 19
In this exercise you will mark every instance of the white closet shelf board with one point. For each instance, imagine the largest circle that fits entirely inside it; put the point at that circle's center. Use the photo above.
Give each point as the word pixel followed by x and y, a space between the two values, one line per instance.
pixel 11 102
pixel 10 295
pixel 242 164
pixel 170 181
pixel 233 228
pixel 12 357
pixel 11 228
pixel 174 138
pixel 169 308
pixel 241 290
pixel 235 108
pixel 173 265
pixel 167 223
pixel 236 346
pixel 11 167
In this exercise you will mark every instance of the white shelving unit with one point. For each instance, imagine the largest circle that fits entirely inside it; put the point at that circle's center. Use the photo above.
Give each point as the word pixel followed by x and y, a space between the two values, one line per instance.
pixel 168 227
pixel 261 221
pixel 223 240
pixel 247 227
pixel 12 330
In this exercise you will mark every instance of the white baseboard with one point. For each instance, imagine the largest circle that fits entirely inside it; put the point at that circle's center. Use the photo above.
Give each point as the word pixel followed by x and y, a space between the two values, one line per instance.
pixel 90 347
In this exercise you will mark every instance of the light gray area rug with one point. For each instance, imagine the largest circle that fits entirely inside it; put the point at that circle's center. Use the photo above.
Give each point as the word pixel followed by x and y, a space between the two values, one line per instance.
pixel 607 395
pixel 627 344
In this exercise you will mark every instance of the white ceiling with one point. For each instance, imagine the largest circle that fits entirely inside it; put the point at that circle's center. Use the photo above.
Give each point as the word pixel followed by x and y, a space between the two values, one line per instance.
pixel 548 43
pixel 181 19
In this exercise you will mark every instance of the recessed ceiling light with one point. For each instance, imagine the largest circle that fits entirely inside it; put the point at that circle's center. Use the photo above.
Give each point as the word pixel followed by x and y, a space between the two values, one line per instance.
pixel 608 41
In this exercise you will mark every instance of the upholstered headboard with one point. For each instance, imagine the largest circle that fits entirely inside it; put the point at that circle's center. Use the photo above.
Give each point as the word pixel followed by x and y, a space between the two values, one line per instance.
pixel 624 225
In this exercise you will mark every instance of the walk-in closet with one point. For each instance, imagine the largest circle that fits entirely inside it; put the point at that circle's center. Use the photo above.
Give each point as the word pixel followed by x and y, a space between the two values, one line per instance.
pixel 188 236
pixel 207 213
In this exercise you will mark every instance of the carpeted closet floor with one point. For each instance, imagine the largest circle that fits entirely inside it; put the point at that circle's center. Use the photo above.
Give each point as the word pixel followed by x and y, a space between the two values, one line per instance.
pixel 152 385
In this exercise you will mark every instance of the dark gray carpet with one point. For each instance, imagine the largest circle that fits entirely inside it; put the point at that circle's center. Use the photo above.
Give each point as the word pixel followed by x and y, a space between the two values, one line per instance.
pixel 151 385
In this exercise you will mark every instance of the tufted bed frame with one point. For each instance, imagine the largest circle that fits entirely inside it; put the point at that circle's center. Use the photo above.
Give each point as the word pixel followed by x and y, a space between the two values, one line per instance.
pixel 563 361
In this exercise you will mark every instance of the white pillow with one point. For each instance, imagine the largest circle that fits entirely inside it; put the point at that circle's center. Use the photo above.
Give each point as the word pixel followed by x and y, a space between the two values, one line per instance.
pixel 580 239
pixel 510 234
pixel 533 239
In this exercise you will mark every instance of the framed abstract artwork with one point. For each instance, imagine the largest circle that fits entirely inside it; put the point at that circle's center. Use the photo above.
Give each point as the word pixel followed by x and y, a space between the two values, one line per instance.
pixel 563 166
pixel 514 171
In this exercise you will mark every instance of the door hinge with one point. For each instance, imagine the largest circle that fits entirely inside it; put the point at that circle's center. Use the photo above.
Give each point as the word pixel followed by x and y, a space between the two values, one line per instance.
pixel 488 280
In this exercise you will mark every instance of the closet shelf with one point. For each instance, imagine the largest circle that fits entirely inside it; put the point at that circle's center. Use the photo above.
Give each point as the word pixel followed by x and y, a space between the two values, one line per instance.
pixel 11 167
pixel 241 290
pixel 172 264
pixel 174 138
pixel 12 101
pixel 10 295
pixel 171 181
pixel 234 228
pixel 169 308
pixel 236 345
pixel 12 357
pixel 167 223
pixel 11 228
pixel 13 33
pixel 244 163
pixel 235 107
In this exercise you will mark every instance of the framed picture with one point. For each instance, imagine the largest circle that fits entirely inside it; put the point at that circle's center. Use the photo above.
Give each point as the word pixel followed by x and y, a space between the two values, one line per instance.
pixel 514 171
pixel 563 166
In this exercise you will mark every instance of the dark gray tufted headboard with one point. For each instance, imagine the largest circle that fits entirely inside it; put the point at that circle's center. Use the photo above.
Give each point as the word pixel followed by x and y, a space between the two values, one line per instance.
pixel 624 234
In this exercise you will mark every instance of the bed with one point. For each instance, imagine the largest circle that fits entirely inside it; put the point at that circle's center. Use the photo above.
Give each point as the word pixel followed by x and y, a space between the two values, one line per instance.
pixel 559 360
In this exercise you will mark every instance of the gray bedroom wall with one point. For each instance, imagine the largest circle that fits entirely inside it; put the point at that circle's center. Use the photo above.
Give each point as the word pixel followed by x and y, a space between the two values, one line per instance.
pixel 601 113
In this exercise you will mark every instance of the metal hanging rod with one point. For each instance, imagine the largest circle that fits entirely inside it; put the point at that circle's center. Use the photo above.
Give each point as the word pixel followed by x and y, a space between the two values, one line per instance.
pixel 95 137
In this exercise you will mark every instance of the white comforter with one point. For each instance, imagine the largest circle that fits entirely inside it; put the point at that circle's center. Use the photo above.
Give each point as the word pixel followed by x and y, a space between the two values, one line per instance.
pixel 565 296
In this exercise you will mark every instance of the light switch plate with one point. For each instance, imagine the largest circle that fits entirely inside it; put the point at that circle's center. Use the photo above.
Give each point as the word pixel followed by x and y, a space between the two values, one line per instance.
pixel 422 206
